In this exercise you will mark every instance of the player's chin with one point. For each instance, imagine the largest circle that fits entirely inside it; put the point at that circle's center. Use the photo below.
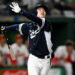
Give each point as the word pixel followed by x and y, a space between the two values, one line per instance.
pixel 42 16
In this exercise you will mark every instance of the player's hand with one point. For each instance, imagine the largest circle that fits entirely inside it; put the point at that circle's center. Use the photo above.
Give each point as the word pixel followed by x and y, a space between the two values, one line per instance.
pixel 15 7
pixel 9 47
pixel 2 28
pixel 10 50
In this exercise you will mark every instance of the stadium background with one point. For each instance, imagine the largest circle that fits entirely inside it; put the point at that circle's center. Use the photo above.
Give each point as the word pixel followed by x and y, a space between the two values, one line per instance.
pixel 64 26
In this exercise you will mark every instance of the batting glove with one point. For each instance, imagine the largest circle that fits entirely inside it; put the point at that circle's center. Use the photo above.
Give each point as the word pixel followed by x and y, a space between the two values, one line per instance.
pixel 3 28
pixel 15 7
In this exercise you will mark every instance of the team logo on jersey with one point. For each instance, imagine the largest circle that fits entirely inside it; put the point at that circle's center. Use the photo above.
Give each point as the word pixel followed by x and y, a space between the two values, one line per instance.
pixel 33 33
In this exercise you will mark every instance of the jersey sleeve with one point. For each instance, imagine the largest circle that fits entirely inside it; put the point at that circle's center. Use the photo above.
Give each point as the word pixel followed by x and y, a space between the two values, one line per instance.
pixel 25 51
pixel 23 28
pixel 12 27
pixel 32 17
pixel 59 52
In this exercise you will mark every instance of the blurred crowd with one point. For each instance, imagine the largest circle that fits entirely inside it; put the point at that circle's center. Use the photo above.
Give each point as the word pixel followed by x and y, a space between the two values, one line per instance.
pixel 65 56
pixel 56 7
pixel 19 49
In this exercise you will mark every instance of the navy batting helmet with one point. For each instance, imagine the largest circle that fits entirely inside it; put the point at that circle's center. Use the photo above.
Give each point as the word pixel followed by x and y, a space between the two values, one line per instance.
pixel 38 6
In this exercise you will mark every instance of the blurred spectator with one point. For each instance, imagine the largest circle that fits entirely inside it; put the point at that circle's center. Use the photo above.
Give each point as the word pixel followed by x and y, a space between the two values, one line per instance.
pixel 57 7
pixel 3 50
pixel 55 12
pixel 3 9
pixel 30 3
pixel 61 5
pixel 19 50
pixel 64 55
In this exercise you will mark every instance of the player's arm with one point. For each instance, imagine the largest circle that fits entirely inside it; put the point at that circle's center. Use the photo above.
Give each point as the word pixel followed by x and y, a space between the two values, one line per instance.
pixel 11 27
pixel 32 17
pixel 22 28
pixel 11 56
pixel 59 55
pixel 19 53
pixel 15 7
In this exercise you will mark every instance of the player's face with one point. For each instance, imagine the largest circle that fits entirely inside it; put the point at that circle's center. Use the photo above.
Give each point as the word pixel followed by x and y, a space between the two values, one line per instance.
pixel 19 41
pixel 70 49
pixel 2 41
pixel 41 13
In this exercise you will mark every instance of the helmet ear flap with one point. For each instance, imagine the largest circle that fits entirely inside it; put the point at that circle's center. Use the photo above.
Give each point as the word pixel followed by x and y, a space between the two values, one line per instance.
pixel 34 11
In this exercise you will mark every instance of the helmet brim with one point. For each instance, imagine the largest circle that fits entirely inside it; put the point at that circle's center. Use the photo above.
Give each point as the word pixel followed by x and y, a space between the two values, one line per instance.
pixel 42 6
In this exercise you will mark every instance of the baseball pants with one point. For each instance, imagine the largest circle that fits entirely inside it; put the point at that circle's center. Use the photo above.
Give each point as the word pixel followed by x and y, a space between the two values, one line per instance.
pixel 37 66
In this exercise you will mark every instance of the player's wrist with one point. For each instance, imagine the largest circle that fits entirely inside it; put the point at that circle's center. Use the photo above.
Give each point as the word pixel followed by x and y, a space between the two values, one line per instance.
pixel 21 12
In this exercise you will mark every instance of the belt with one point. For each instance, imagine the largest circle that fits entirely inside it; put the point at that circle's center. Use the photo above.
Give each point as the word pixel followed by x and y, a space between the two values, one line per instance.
pixel 42 57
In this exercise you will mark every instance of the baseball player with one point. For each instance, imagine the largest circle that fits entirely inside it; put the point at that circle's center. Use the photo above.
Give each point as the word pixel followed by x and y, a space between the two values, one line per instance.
pixel 39 33
pixel 4 51
pixel 19 50
pixel 64 55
